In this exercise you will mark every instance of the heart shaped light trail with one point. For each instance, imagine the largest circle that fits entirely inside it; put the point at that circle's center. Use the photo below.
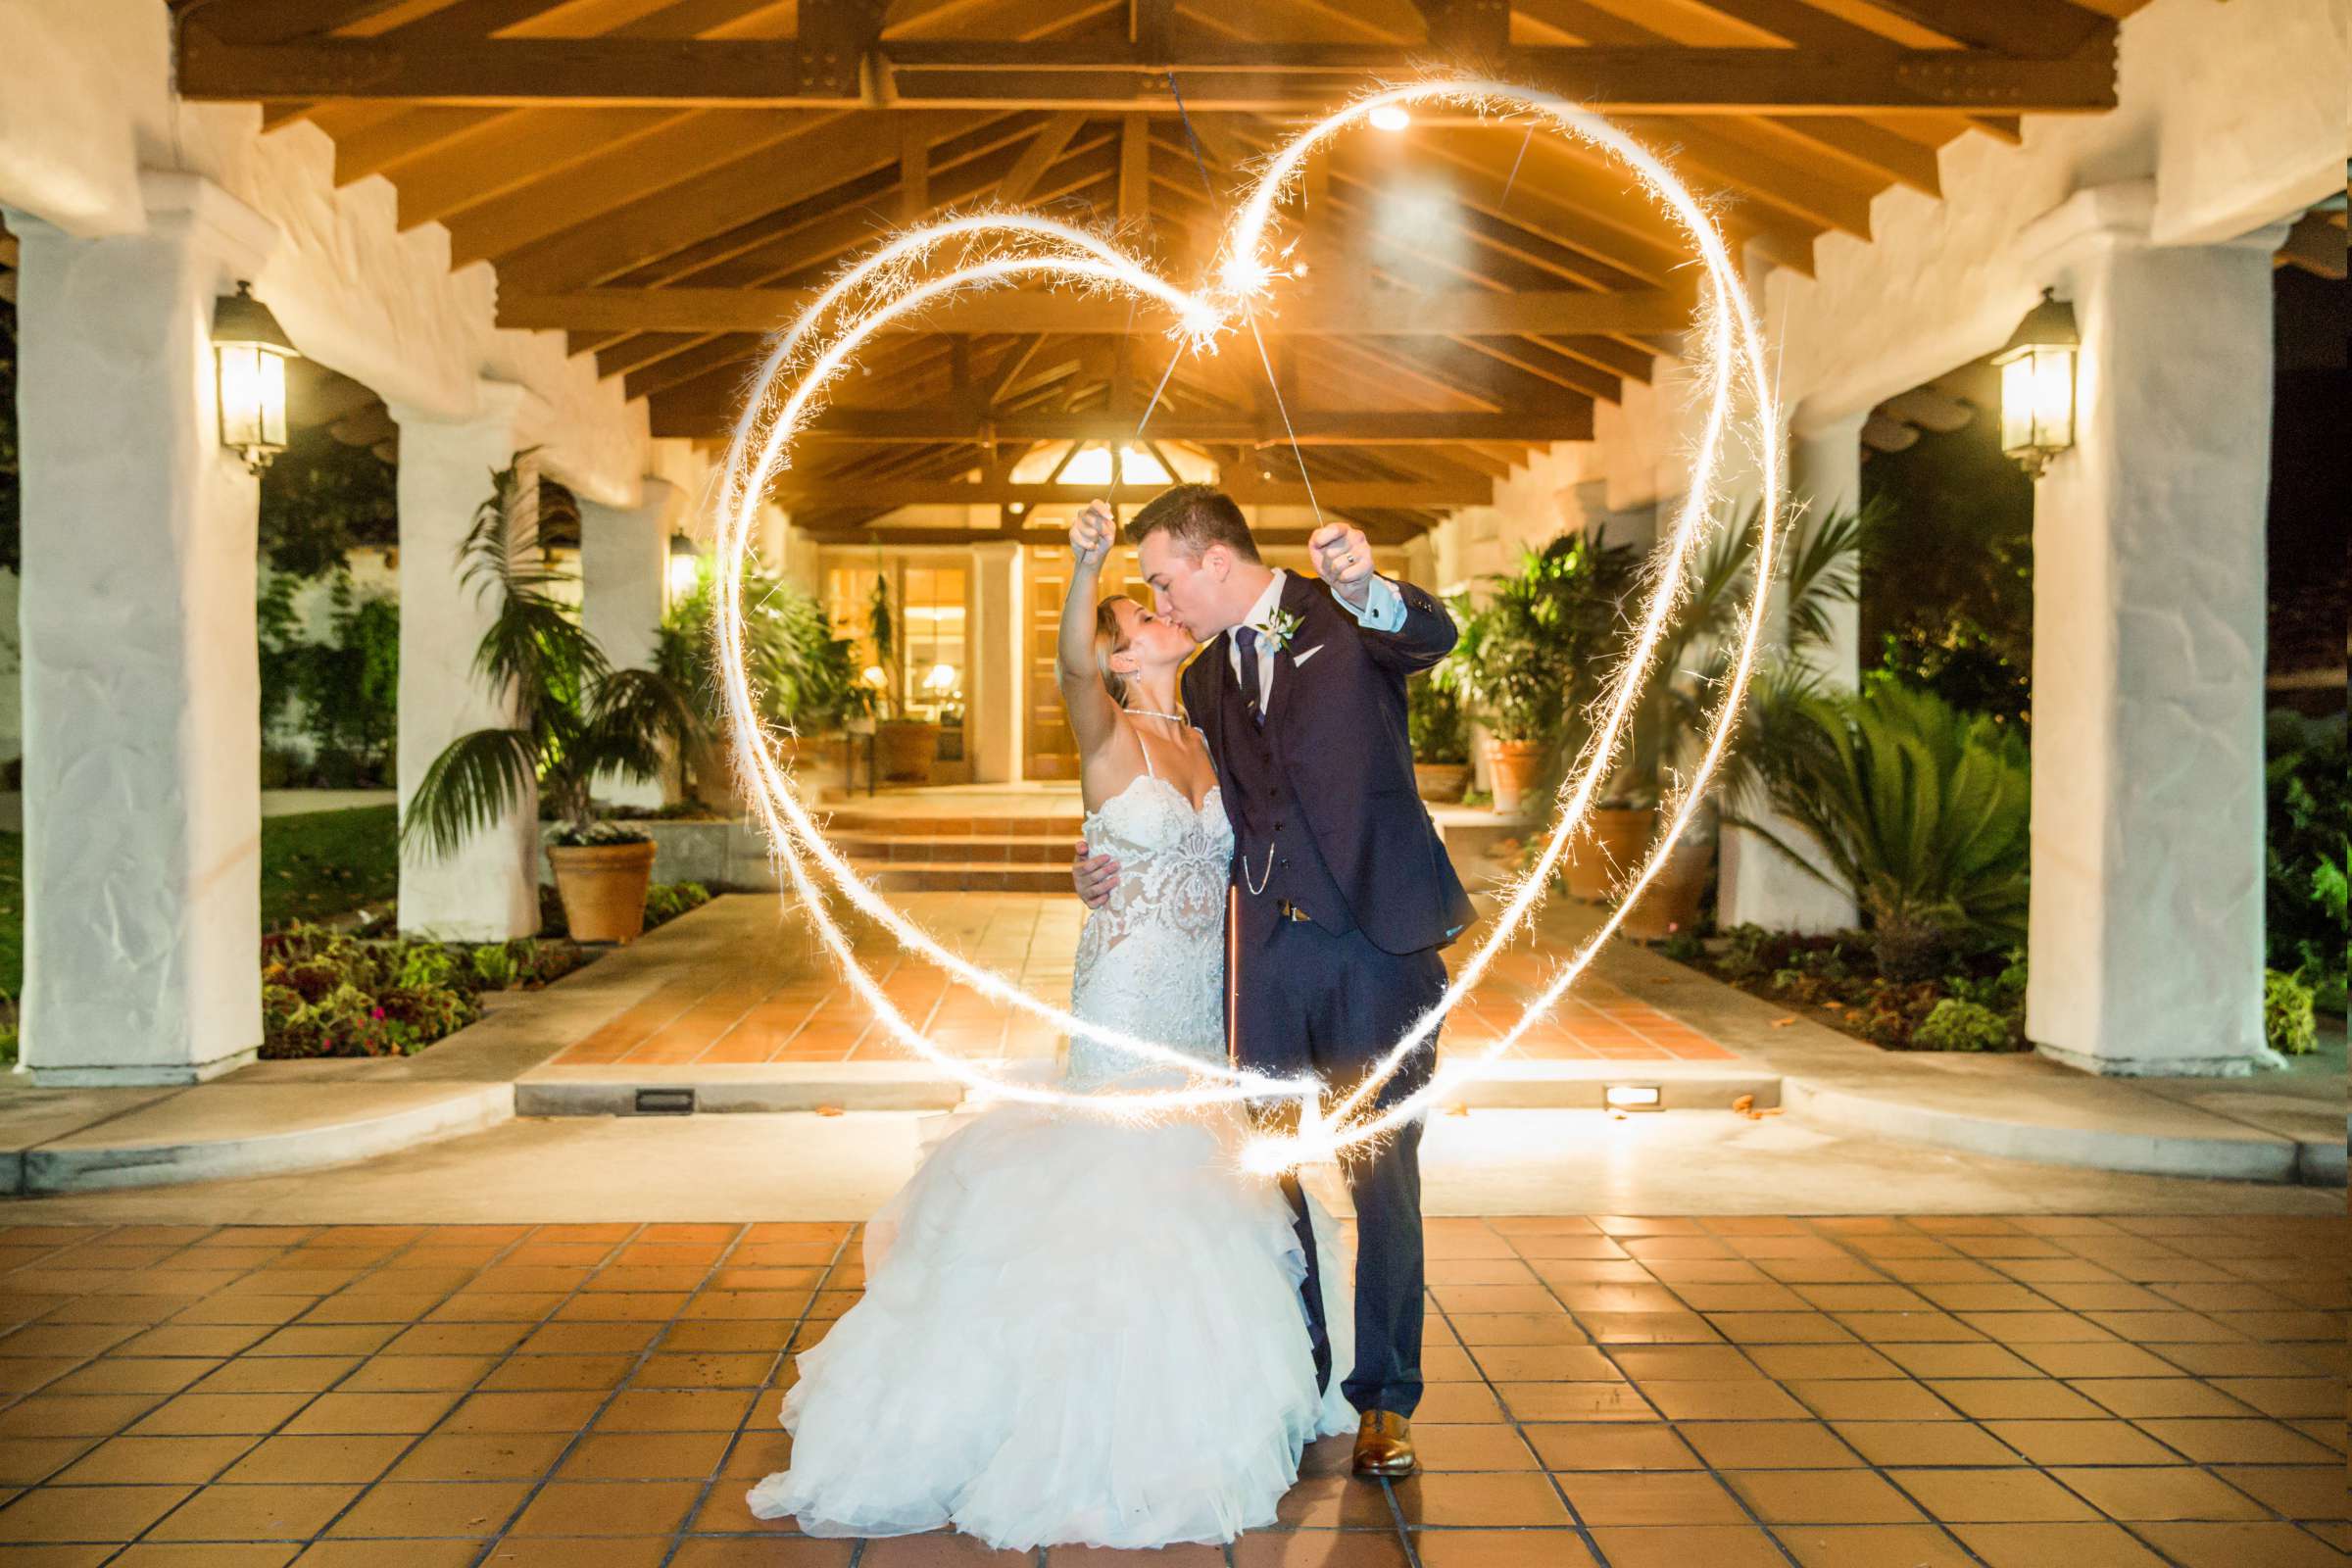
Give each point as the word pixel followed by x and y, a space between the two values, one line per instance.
pixel 906 276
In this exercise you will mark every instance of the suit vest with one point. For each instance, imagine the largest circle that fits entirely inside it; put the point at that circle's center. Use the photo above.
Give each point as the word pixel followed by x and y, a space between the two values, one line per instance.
pixel 1275 857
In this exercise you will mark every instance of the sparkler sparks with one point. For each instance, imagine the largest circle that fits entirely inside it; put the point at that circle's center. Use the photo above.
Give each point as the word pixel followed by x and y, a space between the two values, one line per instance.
pixel 995 249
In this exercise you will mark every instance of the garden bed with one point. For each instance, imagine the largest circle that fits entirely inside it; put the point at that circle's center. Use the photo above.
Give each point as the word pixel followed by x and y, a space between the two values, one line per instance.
pixel 328 993
pixel 1976 1005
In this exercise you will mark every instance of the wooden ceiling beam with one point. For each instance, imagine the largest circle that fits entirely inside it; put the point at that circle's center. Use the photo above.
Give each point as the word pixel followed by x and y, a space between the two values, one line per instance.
pixel 791 488
pixel 1118 76
pixel 671 216
pixel 1331 312
pixel 1564 420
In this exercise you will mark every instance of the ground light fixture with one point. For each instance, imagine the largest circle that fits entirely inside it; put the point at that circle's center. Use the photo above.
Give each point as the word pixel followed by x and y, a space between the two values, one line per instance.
pixel 2037 385
pixel 1633 1097
pixel 250 351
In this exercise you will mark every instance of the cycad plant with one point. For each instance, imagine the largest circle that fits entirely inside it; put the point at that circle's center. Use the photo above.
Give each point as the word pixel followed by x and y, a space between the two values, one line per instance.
pixel 577 718
pixel 1920 811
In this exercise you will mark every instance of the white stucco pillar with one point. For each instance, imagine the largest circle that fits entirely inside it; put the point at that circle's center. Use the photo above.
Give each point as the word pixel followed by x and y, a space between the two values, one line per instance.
pixel 489 889
pixel 624 589
pixel 1756 883
pixel 141 681
pixel 2146 940
pixel 996 655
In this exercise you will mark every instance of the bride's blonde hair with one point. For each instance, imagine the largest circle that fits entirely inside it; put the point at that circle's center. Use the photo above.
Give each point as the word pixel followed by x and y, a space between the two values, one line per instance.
pixel 1111 638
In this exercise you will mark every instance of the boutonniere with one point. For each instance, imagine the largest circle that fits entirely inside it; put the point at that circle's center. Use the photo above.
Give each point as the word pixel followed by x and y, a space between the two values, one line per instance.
pixel 1280 628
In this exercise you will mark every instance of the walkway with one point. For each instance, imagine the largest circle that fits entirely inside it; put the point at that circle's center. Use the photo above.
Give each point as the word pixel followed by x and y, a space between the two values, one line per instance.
pixel 760 996
pixel 1836 1393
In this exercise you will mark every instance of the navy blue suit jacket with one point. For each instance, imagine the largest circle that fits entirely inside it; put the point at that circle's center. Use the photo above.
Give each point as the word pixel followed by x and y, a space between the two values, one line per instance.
pixel 1335 723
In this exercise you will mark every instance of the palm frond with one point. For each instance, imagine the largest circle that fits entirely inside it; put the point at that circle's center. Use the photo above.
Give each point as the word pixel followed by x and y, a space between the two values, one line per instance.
pixel 477 779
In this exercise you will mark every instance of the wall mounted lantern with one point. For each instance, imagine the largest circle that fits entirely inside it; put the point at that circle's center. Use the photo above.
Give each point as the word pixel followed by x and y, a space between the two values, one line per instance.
pixel 2037 385
pixel 250 351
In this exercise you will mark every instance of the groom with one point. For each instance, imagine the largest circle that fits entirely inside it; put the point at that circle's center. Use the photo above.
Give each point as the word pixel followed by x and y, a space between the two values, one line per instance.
pixel 1343 894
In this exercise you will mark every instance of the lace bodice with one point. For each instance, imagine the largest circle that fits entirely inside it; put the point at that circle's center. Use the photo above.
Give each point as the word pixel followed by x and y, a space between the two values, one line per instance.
pixel 1151 961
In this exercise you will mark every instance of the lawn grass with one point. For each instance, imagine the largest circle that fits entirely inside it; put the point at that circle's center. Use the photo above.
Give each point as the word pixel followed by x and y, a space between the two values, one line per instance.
pixel 314 865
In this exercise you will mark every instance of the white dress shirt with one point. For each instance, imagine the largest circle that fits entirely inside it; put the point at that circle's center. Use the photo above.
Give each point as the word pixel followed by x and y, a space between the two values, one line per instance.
pixel 1383 611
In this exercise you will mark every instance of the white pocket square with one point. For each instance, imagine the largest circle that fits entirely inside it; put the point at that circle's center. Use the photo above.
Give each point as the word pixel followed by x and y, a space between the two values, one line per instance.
pixel 1304 655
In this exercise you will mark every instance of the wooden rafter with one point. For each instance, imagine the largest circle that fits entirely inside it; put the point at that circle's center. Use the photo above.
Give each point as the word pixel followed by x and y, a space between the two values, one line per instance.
pixel 1326 313
pixel 1257 77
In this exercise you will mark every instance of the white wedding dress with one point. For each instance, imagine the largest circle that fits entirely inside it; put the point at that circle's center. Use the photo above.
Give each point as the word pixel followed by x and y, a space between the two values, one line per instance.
pixel 1073 1330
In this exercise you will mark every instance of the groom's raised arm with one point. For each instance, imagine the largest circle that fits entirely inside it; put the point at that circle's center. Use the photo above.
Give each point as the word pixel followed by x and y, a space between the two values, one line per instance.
pixel 1406 628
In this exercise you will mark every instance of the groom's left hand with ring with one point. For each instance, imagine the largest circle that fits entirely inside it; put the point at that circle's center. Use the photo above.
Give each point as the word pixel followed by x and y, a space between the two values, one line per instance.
pixel 1342 557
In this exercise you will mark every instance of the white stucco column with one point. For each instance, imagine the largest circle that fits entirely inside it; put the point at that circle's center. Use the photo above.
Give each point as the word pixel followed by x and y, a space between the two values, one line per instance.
pixel 489 889
pixel 142 680
pixel 995 660
pixel 624 589
pixel 2146 942
pixel 1756 883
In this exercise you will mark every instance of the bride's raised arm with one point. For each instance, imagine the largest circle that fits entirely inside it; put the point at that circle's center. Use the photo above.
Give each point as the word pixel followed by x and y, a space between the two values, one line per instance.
pixel 1094 716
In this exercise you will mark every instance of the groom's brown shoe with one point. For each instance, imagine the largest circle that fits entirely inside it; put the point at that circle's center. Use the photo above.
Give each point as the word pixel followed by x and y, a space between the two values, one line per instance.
pixel 1383 1446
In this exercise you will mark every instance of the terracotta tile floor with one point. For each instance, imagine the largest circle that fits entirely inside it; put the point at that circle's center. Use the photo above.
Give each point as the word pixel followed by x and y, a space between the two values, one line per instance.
pixel 1878 1392
pixel 774 1000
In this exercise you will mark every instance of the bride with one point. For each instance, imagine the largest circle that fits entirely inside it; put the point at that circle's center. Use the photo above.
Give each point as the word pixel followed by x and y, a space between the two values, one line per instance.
pixel 1076 1331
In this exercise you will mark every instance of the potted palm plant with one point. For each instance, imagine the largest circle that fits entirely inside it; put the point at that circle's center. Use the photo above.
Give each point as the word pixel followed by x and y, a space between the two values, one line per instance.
pixel 905 745
pixel 1440 738
pixel 576 718
pixel 1531 659
pixel 1818 571
pixel 803 676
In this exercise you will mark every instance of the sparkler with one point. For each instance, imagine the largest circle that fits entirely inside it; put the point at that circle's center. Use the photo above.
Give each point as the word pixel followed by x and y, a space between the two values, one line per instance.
pixel 995 249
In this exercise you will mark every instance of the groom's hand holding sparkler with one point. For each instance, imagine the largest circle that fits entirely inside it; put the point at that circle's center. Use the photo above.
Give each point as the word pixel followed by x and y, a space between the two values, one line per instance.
pixel 1342 557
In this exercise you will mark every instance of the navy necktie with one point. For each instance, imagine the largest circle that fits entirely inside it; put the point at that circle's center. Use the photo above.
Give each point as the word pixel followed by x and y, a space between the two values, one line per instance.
pixel 1245 638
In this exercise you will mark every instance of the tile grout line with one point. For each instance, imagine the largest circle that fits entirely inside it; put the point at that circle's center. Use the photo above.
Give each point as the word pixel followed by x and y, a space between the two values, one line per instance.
pixel 652 1341
pixel 295 1414
pixel 1576 1518
pixel 784 1351
pixel 259 1438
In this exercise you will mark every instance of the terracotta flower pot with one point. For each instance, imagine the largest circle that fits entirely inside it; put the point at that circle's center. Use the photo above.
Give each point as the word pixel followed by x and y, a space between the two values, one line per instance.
pixel 1609 844
pixel 602 888
pixel 1441 782
pixel 1514 766
pixel 1670 903
pixel 904 750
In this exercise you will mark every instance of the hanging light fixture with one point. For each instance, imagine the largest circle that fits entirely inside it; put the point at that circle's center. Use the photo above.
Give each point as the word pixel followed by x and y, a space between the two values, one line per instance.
pixel 2037 385
pixel 250 351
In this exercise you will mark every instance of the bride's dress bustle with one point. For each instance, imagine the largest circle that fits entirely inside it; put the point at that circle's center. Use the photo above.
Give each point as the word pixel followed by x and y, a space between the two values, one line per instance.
pixel 1075 1330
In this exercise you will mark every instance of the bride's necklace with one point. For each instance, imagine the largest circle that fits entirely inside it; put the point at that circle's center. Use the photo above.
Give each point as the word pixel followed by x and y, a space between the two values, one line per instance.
pixel 1146 713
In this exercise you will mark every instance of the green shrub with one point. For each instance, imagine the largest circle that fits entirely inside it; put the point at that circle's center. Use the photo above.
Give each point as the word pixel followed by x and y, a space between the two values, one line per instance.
pixel 666 901
pixel 2288 1020
pixel 1919 811
pixel 1956 1025
pixel 494 965
pixel 2308 818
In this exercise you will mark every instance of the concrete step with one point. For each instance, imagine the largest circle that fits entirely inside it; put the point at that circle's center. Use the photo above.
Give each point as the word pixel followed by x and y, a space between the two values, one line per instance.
pixel 849 821
pixel 965 876
pixel 976 848
pixel 622 1089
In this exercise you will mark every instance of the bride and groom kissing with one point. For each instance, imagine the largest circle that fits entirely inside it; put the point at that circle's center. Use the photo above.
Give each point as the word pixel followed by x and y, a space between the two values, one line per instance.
pixel 1079 1331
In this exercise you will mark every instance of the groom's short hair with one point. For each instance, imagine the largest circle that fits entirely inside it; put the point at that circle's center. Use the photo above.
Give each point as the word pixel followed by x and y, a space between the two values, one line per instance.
pixel 1195 516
